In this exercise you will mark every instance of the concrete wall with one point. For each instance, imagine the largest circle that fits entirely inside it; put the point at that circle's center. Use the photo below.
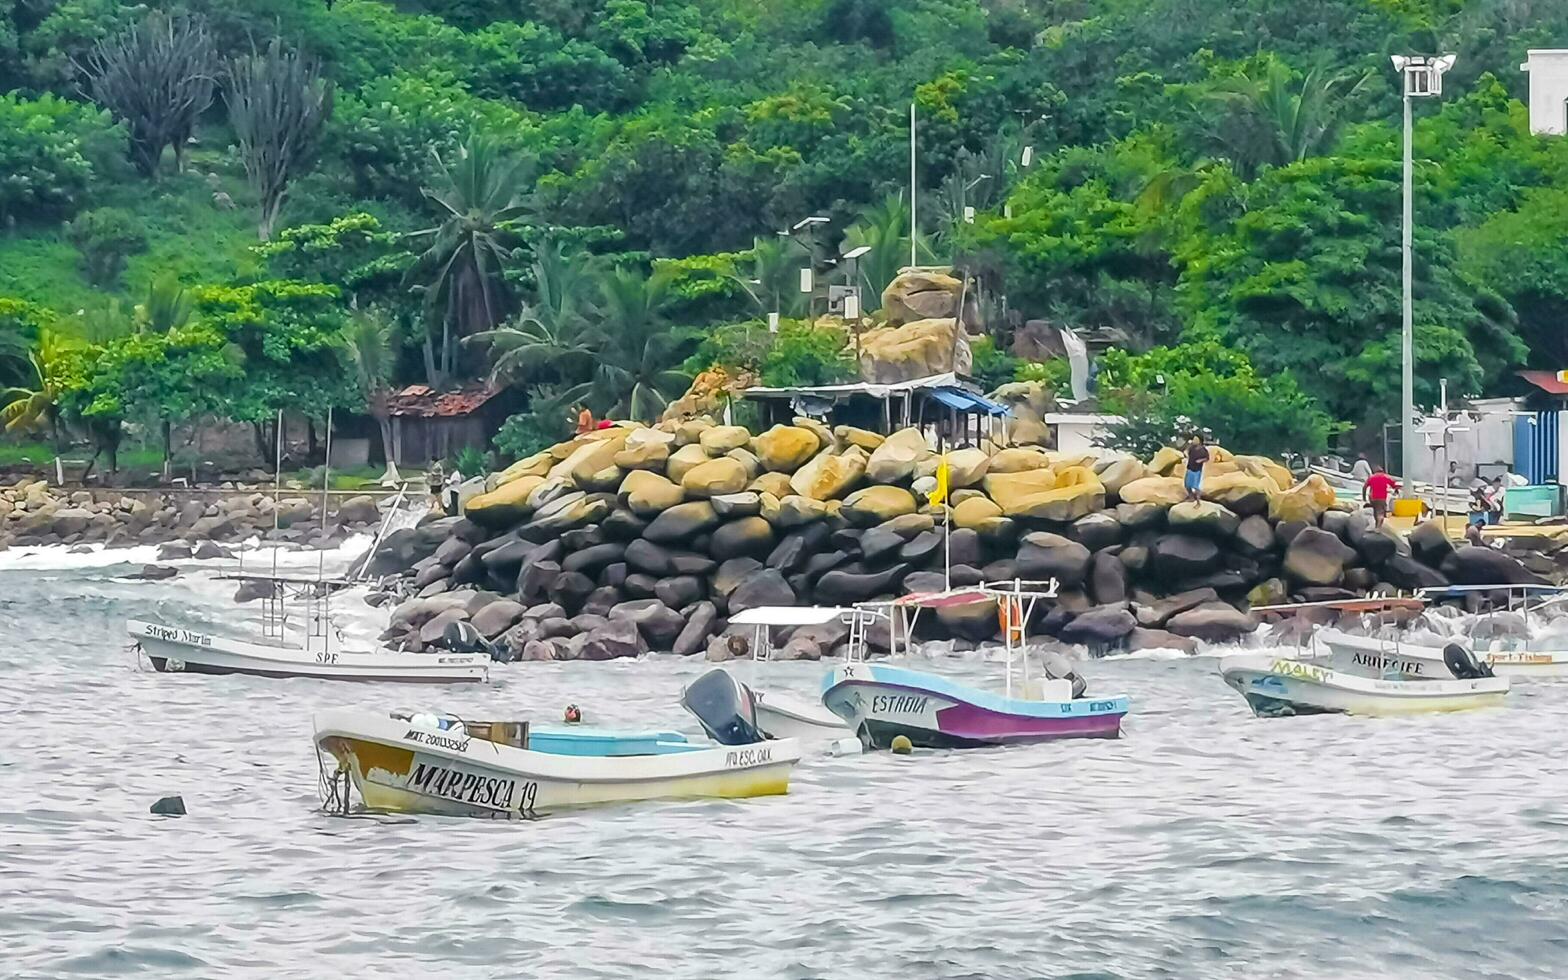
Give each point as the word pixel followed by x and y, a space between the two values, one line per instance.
pixel 1548 91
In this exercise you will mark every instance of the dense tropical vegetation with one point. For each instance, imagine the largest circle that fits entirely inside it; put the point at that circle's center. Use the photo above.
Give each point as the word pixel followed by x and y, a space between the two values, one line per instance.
pixel 582 200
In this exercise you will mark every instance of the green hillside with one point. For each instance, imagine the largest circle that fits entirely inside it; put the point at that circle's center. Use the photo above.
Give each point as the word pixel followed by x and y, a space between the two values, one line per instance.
pixel 601 184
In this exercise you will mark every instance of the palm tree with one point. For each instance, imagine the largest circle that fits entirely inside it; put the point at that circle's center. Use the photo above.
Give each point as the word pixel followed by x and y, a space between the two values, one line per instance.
pixel 372 348
pixel 884 227
pixel 461 268
pixel 635 374
pixel 30 409
pixel 772 285
pixel 558 330
pixel 1274 121
pixel 168 305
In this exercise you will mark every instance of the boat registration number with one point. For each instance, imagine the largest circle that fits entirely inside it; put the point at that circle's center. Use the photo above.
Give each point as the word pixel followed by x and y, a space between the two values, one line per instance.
pixel 449 780
pixel 1295 668
pixel 173 635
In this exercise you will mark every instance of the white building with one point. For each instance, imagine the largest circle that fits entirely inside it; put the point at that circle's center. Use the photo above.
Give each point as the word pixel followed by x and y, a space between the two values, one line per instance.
pixel 1548 91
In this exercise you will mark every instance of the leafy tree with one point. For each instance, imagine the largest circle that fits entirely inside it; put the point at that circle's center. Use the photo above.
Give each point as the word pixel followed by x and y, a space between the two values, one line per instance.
pixel 636 376
pixel 354 252
pixel 992 367
pixel 22 325
pixel 106 237
pixel 1523 254
pixel 51 151
pixel 278 106
pixel 1267 118
pixel 24 409
pixel 477 198
pixel 808 354
pixel 159 77
pixel 547 421
pixel 372 347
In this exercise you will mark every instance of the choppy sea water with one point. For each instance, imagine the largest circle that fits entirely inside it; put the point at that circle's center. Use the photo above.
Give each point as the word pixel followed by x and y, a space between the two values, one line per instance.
pixel 1205 843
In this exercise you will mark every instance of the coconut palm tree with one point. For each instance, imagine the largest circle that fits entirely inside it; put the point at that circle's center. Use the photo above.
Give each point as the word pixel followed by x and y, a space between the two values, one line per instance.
pixel 884 227
pixel 1274 120
pixel 635 373
pixel 30 409
pixel 372 347
pixel 461 270
pixel 557 330
pixel 773 281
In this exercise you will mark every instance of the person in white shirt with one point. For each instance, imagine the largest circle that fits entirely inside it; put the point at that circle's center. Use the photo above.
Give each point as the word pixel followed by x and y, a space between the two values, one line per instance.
pixel 1362 470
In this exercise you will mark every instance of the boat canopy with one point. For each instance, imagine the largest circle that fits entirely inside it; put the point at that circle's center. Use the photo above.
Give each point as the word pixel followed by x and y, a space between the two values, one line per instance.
pixel 1438 592
pixel 789 615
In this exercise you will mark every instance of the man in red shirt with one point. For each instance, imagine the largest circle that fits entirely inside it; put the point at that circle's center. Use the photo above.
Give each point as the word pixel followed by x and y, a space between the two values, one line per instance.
pixel 1376 491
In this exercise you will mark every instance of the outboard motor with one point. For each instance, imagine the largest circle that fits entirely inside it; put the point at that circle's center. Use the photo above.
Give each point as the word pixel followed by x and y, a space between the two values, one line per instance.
pixel 1463 664
pixel 724 707
pixel 1060 668
pixel 463 637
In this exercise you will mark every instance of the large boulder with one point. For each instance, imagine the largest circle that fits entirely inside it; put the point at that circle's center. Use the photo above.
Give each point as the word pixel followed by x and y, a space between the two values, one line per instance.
pixel 1317 557
pixel 920 294
pixel 505 505
pixel 1216 622
pixel 1254 536
pixel 1180 556
pixel 747 503
pixel 975 511
pixel 684 459
pixel 873 505
pixel 1097 531
pixel 1203 517
pixel 1157 613
pixel 1429 544
pixel 1107 578
pixel 564 513
pixel 763 587
pixel 975 621
pixel 720 439
pixel 917 349
pixel 785 448
pixel 1116 473
pixel 797 511
pixel 682 523
pixel 966 467
pixel 1154 639
pixel 1306 501
pixel 1133 516
pixel 1042 555
pixel 497 617
pixel 1472 565
pixel 1154 490
pixel 894 461
pixel 1244 493
pixel 714 477
pixel 1101 627
pixel 1404 572
pixel 747 536
pixel 843 587
pixel 829 476
pixel 1048 496
pixel 694 635
pixel 615 639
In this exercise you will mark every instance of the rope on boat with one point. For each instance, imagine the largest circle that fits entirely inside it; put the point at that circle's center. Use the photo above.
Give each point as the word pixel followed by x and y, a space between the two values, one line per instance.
pixel 334 788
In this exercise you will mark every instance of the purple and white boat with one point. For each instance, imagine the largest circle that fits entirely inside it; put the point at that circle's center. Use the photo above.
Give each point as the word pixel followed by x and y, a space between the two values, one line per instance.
pixel 880 702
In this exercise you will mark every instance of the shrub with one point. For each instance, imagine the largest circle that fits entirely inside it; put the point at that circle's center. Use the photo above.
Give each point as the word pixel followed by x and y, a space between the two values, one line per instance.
pixel 804 354
pixel 51 150
pixel 992 367
pixel 106 237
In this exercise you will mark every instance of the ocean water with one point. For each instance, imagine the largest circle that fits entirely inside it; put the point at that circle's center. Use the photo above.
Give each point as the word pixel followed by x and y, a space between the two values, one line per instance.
pixel 1204 843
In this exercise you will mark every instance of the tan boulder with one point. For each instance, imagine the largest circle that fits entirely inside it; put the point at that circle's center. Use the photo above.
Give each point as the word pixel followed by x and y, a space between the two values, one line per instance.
pixel 649 494
pixel 966 467
pixel 828 476
pixel 770 507
pixel 785 448
pixel 536 465
pixel 720 439
pixel 919 294
pixel 715 477
pixel 1306 501
pixel 894 461
pixel 1066 496
pixel 864 438
pixel 974 511
pixel 689 431
pixel 683 459
pixel 774 483
pixel 1117 473
pixel 1262 466
pixel 1163 490
pixel 915 350
pixel 822 432
pixel 507 504
pixel 1243 492
pixel 604 481
pixel 795 510
pixel 1029 402
pixel 595 451
pixel 747 459
pixel 873 505
pixel 1019 459
pixel 645 449
pixel 1168 462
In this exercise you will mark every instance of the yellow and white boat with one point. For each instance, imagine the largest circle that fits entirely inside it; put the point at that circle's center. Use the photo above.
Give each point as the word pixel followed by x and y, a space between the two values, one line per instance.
pixel 425 764
pixel 1281 687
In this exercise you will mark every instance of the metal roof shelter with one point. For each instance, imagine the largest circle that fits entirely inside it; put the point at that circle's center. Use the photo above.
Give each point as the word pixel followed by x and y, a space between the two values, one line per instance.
pixel 928 401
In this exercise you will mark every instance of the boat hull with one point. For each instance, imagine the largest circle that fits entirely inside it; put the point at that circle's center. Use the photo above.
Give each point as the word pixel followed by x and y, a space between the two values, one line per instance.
pixel 782 716
pixel 879 703
pixel 1281 687
pixel 397 768
pixel 1364 653
pixel 175 650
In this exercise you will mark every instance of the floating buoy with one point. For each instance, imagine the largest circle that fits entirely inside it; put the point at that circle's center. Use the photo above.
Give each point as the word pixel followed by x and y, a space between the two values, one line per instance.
pixel 846 746
pixel 574 714
pixel 902 745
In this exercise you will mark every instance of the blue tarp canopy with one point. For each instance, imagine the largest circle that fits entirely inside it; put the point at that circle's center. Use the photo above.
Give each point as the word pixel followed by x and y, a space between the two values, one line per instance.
pixel 966 402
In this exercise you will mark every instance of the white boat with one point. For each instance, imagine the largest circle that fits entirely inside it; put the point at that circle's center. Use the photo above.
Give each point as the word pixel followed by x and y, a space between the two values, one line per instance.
pixel 782 715
pixel 1281 686
pixel 500 769
pixel 1349 651
pixel 175 650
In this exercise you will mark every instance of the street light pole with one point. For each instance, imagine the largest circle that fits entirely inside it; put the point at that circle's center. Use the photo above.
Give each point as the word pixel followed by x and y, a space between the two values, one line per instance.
pixel 913 188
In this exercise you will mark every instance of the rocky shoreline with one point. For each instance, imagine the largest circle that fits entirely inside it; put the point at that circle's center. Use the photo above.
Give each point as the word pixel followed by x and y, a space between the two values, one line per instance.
pixel 32 513
pixel 640 539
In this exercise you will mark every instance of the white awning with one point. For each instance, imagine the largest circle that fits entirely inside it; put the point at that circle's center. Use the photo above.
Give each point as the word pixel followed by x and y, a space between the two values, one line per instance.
pixel 788 615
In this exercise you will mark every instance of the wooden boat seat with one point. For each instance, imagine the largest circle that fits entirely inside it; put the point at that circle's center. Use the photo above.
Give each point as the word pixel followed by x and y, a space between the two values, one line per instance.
pixel 512 733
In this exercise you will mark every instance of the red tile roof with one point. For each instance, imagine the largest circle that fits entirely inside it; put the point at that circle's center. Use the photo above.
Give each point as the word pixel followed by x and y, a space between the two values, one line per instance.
pixel 1546 381
pixel 422 401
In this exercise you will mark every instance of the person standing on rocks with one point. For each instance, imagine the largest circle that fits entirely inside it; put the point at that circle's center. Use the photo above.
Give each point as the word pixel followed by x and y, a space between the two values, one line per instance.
pixel 1362 471
pixel 1376 491
pixel 1197 455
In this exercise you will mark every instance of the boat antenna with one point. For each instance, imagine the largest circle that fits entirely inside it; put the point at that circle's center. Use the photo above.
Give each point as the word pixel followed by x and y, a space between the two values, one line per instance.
pixel 326 492
pixel 277 486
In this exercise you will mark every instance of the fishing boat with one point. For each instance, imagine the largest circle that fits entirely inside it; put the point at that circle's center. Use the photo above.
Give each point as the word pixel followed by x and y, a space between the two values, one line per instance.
pixel 442 765
pixel 880 702
pixel 1281 687
pixel 781 715
pixel 1522 656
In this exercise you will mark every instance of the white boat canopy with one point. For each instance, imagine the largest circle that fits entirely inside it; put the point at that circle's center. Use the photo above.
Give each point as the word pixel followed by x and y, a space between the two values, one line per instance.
pixel 789 615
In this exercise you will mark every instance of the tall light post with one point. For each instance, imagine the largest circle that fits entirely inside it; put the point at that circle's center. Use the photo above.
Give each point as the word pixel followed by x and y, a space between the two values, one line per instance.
pixel 1423 78
pixel 807 274
pixel 914 189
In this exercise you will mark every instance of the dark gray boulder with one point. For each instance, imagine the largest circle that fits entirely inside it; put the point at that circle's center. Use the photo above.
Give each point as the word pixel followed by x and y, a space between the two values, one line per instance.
pixel 1043 555
pixel 762 587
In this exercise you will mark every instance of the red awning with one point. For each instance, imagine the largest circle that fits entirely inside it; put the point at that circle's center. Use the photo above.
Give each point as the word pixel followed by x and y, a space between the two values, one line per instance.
pixel 1546 381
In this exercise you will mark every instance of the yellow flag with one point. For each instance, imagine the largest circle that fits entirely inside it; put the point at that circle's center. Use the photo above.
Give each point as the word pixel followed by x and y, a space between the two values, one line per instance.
pixel 939 495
